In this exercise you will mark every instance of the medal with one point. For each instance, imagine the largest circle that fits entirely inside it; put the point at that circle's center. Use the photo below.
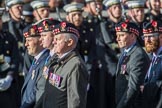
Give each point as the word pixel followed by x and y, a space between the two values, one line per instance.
pixel 45 72
pixel 123 68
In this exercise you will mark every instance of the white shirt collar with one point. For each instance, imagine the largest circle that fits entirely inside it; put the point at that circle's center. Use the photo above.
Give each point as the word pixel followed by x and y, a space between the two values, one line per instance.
pixel 39 55
pixel 65 54
pixel 129 48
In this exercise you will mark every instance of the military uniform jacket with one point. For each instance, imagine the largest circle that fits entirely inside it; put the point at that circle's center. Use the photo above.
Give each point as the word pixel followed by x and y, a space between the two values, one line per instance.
pixel 8 52
pixel 9 49
pixel 86 45
pixel 29 87
pixel 67 83
pixel 149 17
pixel 16 29
pixel 129 76
pixel 153 84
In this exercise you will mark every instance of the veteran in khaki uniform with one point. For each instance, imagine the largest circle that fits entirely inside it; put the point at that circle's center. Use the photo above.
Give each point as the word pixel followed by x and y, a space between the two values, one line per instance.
pixel 85 46
pixel 66 85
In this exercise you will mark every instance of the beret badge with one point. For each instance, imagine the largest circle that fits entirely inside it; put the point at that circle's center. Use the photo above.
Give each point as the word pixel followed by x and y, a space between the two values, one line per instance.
pixel 32 31
pixel 46 26
pixel 154 24
pixel 124 27
pixel 63 26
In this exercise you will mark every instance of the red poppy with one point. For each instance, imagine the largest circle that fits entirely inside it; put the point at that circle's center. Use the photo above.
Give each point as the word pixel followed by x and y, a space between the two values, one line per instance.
pixel 34 27
pixel 154 23
pixel 63 24
pixel 44 23
pixel 124 25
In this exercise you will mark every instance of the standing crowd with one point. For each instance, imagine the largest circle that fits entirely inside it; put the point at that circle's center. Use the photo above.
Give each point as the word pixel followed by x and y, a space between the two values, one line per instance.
pixel 99 54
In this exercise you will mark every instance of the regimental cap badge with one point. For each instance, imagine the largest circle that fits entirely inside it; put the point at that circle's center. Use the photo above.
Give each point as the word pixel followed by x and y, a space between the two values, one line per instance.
pixel 154 24
pixel 66 27
pixel 124 26
pixel 63 26
pixel 152 27
pixel 45 24
pixel 127 26
pixel 31 31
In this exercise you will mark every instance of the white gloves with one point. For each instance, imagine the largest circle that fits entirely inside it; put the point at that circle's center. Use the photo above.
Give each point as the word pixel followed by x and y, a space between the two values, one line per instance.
pixel 5 83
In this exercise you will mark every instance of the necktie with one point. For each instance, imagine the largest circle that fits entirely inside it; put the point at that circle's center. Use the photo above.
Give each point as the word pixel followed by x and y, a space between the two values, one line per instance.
pixel 33 63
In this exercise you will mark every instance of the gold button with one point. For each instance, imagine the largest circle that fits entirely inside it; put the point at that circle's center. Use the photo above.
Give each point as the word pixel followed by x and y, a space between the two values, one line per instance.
pixel 7 51
pixel 85 51
pixel 91 29
pixel 6 42
pixel 148 18
pixel 110 26
pixel 86 41
pixel 84 31
pixel 89 21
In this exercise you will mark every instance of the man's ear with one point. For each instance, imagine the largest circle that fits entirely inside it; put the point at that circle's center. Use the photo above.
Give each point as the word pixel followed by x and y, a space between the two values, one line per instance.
pixel 67 18
pixel 34 13
pixel 70 42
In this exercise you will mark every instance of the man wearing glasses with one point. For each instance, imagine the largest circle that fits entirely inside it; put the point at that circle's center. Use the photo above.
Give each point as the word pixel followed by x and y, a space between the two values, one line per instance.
pixel 152 89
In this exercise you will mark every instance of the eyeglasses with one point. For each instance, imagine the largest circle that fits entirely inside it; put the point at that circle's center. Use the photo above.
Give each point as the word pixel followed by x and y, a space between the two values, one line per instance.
pixel 151 36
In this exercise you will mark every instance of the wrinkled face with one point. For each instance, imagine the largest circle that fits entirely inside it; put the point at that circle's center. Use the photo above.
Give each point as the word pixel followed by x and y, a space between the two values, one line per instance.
pixel 151 42
pixel 61 44
pixel 155 4
pixel 138 14
pixel 47 39
pixel 41 13
pixel 16 11
pixel 33 45
pixel 75 17
pixel 124 39
pixel 115 11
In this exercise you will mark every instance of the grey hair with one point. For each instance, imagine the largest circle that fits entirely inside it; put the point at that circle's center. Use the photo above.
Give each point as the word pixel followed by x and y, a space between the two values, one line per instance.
pixel 71 36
